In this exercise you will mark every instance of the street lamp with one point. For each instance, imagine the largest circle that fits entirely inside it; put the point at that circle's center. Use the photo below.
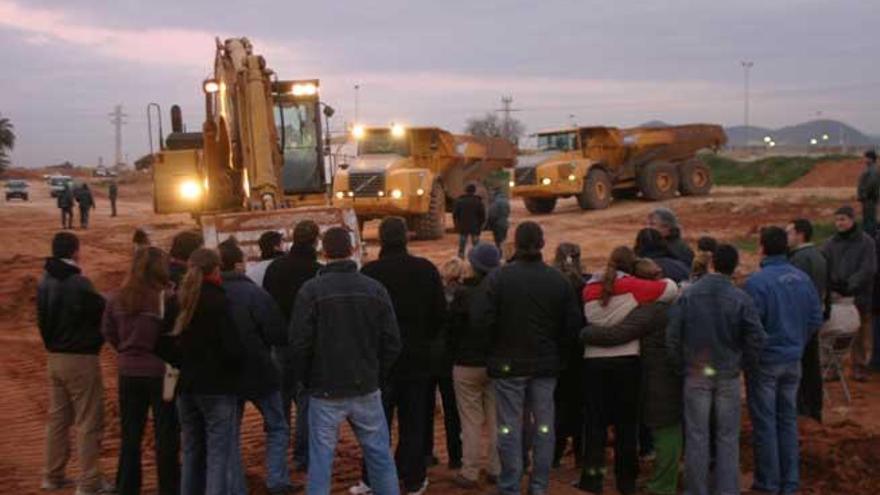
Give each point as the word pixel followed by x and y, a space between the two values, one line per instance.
pixel 767 139
pixel 814 141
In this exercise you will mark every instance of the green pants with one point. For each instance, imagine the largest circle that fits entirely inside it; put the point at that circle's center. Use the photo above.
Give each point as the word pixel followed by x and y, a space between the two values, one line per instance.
pixel 667 447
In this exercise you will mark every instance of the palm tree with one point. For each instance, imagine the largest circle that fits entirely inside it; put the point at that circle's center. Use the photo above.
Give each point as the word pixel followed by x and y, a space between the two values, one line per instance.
pixel 7 142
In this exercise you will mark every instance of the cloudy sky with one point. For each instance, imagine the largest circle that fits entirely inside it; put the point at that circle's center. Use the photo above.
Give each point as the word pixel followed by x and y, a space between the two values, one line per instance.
pixel 68 62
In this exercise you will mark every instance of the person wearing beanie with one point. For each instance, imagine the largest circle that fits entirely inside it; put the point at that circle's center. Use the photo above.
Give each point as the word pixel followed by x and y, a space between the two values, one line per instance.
pixel 469 215
pixel 664 220
pixel 868 192
pixel 530 316
pixel 345 343
pixel 284 277
pixel 416 291
pixel 473 388
pixel 852 265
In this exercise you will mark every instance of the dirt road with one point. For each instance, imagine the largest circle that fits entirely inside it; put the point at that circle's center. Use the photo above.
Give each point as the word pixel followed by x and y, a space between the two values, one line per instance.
pixel 26 228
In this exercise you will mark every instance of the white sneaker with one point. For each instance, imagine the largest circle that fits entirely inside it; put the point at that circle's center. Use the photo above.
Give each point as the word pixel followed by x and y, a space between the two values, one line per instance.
pixel 360 489
pixel 421 490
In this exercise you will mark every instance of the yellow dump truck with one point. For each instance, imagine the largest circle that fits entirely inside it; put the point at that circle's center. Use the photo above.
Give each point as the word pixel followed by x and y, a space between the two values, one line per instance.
pixel 596 164
pixel 416 173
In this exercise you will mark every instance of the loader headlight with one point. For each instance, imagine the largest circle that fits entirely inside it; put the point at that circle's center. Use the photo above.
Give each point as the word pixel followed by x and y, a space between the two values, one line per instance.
pixel 304 89
pixel 358 132
pixel 512 183
pixel 211 86
pixel 398 131
pixel 189 190
pixel 546 181
pixel 396 194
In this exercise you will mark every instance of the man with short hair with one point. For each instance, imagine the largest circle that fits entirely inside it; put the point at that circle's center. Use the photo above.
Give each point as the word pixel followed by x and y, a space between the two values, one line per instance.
pixel 416 291
pixel 65 204
pixel 714 332
pixel 86 202
pixel 183 245
pixel 69 312
pixel 530 315
pixel 852 264
pixel 791 312
pixel 665 220
pixel 469 215
pixel 260 327
pixel 270 248
pixel 499 218
pixel 283 280
pixel 868 192
pixel 346 340
pixel 804 255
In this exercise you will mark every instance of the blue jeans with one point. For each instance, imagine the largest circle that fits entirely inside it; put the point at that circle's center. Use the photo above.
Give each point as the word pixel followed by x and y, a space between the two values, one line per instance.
pixel 367 418
pixel 463 240
pixel 700 393
pixel 772 397
pixel 277 437
pixel 208 427
pixel 512 397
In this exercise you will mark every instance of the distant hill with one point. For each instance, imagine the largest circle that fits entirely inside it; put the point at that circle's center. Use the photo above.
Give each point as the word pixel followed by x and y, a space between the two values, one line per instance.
pixel 801 134
pixel 655 123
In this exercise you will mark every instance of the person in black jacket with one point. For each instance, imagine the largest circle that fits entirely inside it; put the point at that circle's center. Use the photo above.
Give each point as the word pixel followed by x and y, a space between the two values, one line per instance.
pixel 474 395
pixel 666 222
pixel 183 246
pixel 345 341
pixel 417 293
pixel 469 215
pixel 260 327
pixel 65 204
pixel 650 244
pixel 531 314
pixel 283 279
pixel 86 202
pixel 207 349
pixel 69 312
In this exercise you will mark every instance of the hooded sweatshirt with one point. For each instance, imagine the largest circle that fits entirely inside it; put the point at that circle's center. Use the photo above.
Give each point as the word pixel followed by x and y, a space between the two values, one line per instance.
pixel 69 309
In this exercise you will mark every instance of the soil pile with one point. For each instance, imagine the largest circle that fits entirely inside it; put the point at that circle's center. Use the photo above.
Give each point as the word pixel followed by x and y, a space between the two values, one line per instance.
pixel 843 173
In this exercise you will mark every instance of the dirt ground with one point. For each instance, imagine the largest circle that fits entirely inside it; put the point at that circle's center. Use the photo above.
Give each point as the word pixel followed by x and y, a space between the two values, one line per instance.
pixel 832 174
pixel 840 457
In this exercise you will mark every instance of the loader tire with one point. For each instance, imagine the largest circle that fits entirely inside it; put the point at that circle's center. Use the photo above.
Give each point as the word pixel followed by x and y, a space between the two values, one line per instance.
pixel 432 225
pixel 696 178
pixel 658 181
pixel 596 194
pixel 540 206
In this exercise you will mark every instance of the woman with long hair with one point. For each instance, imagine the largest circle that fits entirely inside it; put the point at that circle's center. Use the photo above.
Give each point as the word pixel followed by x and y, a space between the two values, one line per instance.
pixel 208 352
pixel 133 326
pixel 569 389
pixel 612 374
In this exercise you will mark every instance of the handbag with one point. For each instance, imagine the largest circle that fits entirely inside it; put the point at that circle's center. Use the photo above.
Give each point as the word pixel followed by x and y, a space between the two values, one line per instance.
pixel 844 317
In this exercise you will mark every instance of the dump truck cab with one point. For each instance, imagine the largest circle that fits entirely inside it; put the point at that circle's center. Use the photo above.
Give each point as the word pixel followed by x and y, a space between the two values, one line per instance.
pixel 414 172
pixel 595 164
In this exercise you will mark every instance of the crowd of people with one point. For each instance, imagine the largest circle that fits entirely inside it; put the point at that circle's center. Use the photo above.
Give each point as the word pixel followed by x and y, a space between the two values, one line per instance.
pixel 526 356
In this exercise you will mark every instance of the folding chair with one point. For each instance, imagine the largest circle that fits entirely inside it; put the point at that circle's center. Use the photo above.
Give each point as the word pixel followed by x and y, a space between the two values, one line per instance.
pixel 834 347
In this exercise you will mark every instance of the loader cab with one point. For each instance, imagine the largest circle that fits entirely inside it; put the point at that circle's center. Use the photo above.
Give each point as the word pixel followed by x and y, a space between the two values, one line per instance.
pixel 297 115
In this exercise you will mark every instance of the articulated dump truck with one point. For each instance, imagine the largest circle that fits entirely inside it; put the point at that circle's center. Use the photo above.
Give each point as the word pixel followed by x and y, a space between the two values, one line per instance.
pixel 260 161
pixel 416 173
pixel 597 164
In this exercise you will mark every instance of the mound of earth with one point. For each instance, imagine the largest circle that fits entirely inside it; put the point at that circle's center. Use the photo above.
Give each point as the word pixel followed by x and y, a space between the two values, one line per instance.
pixel 838 173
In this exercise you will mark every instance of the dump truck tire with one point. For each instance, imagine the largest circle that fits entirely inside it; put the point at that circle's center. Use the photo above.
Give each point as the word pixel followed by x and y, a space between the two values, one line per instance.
pixel 659 181
pixel 596 194
pixel 432 225
pixel 540 206
pixel 696 178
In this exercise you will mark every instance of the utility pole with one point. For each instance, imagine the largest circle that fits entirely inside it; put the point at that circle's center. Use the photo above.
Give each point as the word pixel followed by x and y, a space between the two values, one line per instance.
pixel 117 118
pixel 506 109
pixel 747 67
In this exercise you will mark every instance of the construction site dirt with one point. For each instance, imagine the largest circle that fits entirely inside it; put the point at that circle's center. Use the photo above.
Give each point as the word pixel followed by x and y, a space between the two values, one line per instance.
pixel 839 457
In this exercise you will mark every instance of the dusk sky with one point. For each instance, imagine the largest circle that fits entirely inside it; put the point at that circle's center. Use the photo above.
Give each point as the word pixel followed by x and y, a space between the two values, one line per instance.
pixel 68 63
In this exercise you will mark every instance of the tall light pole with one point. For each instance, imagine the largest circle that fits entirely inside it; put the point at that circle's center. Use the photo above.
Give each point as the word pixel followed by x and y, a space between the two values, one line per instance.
pixel 747 67
pixel 357 91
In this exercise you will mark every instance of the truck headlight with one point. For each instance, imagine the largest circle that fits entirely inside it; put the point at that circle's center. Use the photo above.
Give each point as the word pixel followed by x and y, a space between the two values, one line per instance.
pixel 396 194
pixel 512 183
pixel 189 190
pixel 340 194
pixel 397 130
pixel 420 192
pixel 546 181
pixel 381 194
pixel 358 132
pixel 572 177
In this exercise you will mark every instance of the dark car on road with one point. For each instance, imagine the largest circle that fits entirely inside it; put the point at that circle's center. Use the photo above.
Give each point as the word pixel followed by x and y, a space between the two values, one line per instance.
pixel 17 189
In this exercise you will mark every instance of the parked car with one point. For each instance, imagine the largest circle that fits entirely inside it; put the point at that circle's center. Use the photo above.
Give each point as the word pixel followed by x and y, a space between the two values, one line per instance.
pixel 17 189
pixel 57 183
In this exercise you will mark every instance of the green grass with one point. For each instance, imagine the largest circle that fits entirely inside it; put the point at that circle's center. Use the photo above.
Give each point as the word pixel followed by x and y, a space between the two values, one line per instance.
pixel 822 231
pixel 774 171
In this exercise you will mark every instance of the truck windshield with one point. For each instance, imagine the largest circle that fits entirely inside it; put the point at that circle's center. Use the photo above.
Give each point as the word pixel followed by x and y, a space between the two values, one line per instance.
pixel 563 141
pixel 380 141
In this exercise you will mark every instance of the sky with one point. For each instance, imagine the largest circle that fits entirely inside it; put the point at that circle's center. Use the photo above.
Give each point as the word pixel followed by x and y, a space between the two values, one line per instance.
pixel 69 62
